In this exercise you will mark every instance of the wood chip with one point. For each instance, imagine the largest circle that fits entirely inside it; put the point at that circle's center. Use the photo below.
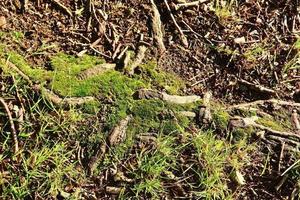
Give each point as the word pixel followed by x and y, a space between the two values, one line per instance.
pixel 3 22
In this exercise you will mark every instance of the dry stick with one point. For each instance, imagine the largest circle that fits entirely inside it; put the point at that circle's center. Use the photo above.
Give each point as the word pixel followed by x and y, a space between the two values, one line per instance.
pixel 88 10
pixel 181 34
pixel 12 125
pixel 258 88
pixel 262 102
pixel 62 7
pixel 280 156
pixel 156 27
pixel 189 4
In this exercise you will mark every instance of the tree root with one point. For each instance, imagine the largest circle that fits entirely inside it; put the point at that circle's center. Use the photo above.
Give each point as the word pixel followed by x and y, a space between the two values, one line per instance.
pixel 151 94
pixel 157 29
pixel 118 133
pixel 49 95
pixel 12 125
pixel 63 102
pixel 268 133
pixel 129 68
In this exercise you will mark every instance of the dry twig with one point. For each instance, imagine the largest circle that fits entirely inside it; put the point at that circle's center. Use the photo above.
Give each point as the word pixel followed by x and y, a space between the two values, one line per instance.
pixel 12 125
pixel 181 34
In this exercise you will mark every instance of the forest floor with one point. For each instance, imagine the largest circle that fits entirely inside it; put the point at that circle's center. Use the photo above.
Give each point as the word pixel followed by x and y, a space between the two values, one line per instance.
pixel 141 99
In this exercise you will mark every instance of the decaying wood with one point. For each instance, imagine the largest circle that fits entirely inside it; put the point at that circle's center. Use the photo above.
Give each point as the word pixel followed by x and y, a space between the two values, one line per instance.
pixel 62 7
pixel 189 4
pixel 12 125
pixel 96 70
pixel 183 38
pixel 151 94
pixel 118 133
pixel 157 28
pixel 130 67
pixel 257 88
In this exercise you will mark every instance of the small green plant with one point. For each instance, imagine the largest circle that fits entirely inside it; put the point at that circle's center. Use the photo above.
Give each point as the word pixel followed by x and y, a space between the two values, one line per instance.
pixel 225 9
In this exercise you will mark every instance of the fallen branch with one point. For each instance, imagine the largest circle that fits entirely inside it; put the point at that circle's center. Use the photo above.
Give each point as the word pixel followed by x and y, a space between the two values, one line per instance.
pixel 12 125
pixel 157 29
pixel 151 94
pixel 62 7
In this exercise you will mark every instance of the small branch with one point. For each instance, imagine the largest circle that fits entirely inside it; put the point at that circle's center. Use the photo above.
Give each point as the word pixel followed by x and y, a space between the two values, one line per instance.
pixel 189 4
pixel 157 29
pixel 181 34
pixel 257 88
pixel 262 102
pixel 12 125
pixel 280 156
pixel 62 7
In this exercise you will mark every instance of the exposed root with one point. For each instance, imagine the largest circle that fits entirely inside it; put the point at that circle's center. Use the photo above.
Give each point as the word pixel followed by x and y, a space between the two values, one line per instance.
pixel 12 125
pixel 99 69
pixel 151 94
pixel 50 96
pixel 118 133
pixel 129 68
pixel 63 102
pixel 157 29
pixel 204 116
pixel 251 121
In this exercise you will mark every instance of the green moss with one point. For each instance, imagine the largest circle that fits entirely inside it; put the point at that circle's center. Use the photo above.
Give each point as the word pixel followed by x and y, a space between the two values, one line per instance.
pixel 271 123
pixel 167 81
pixel 221 118
pixel 241 134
